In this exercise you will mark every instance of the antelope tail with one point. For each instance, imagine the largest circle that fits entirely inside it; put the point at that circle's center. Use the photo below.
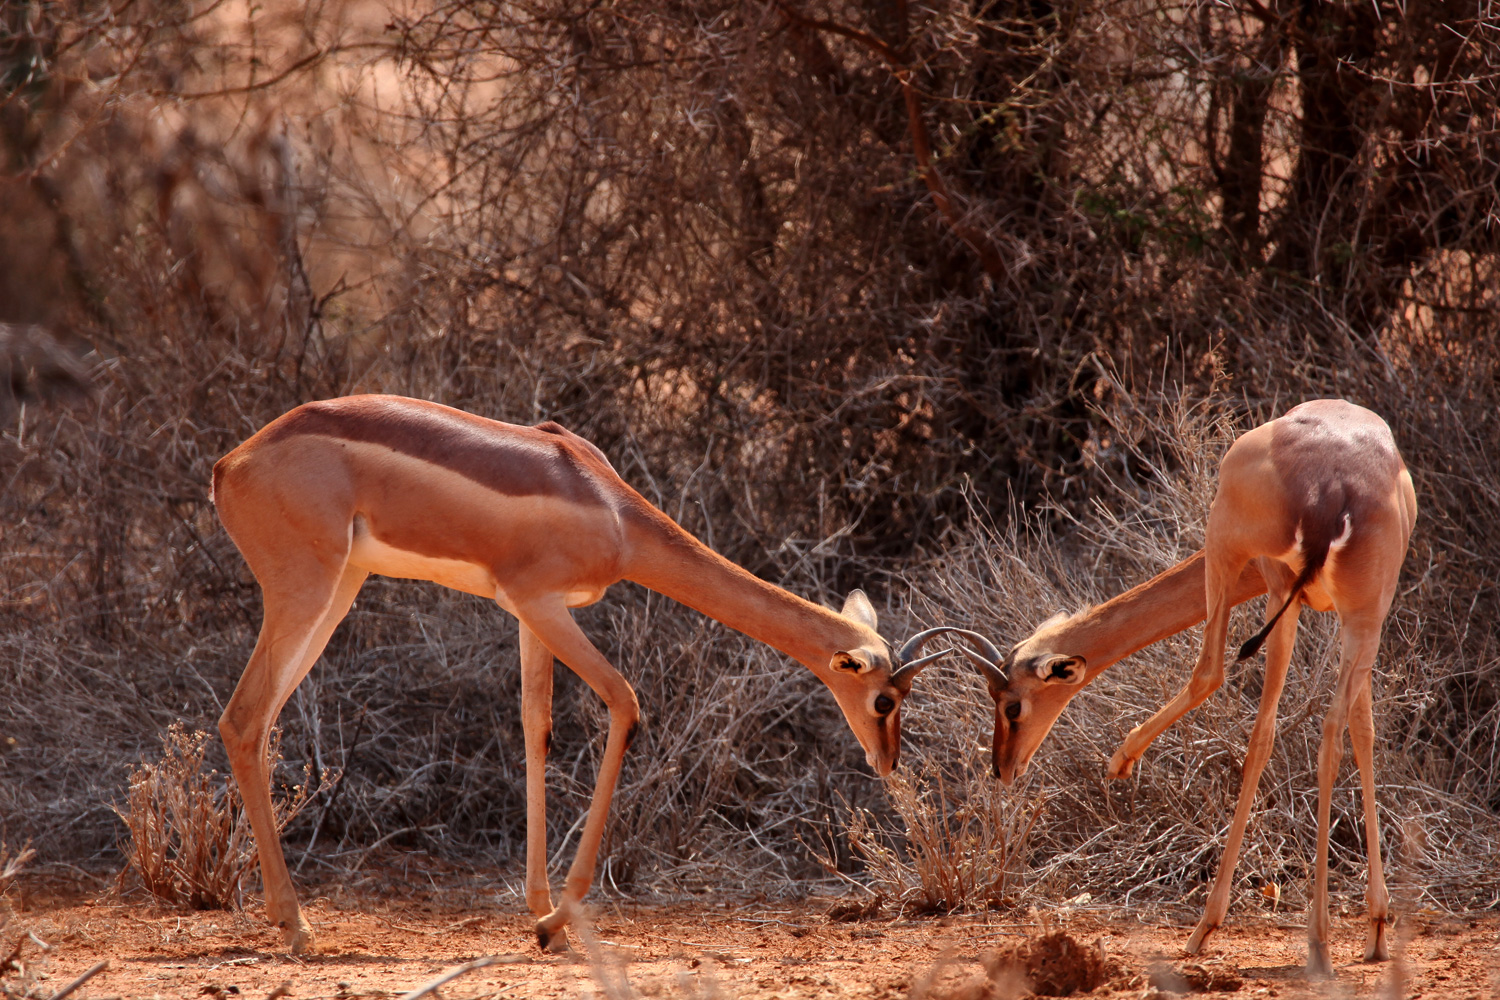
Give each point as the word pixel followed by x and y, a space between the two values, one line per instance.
pixel 1317 555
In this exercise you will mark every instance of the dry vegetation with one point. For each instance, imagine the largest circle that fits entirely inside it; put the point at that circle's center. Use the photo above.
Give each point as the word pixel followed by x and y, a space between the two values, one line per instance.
pixel 965 842
pixel 958 303
pixel 187 842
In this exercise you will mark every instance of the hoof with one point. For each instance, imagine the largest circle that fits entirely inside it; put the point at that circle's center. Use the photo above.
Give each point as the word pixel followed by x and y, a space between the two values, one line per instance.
pixel 552 942
pixel 1319 965
pixel 1376 950
pixel 1200 934
pixel 1119 766
pixel 297 936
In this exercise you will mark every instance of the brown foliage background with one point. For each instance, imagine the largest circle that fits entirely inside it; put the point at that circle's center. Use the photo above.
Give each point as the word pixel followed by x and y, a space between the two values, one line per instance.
pixel 957 302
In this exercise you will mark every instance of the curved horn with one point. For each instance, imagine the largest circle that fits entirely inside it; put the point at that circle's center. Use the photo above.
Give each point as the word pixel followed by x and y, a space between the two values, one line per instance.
pixel 911 647
pixel 907 667
pixel 993 675
pixel 987 659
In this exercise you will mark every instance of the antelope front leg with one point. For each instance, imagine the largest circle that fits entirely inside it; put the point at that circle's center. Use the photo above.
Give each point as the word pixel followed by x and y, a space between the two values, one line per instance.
pixel 536 721
pixel 1207 676
pixel 552 623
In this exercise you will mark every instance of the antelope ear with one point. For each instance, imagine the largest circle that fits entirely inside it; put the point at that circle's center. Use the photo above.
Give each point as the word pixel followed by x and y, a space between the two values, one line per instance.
pixel 1062 669
pixel 859 608
pixel 855 663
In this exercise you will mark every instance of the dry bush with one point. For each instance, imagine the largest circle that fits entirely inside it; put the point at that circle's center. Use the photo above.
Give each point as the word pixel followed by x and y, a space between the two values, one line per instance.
pixel 189 841
pixel 963 846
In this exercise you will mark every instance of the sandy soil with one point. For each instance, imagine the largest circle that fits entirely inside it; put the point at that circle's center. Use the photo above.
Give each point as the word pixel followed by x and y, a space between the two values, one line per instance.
pixel 371 946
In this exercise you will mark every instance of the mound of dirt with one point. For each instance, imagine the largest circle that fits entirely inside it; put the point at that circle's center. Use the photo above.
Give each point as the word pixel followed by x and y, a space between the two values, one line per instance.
pixel 1055 965
pixel 1193 977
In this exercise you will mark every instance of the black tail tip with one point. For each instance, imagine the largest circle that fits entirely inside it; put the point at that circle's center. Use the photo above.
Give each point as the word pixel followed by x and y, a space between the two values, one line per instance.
pixel 1251 646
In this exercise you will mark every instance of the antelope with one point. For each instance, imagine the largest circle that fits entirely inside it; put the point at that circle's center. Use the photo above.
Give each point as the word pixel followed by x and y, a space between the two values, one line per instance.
pixel 535 519
pixel 1314 508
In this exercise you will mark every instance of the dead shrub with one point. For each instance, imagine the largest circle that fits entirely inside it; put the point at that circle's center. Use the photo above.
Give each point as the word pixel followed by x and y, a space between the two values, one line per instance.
pixel 965 842
pixel 189 842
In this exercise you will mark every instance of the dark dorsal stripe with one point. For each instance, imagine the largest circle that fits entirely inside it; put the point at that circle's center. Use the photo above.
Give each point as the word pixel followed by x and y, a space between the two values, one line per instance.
pixel 507 458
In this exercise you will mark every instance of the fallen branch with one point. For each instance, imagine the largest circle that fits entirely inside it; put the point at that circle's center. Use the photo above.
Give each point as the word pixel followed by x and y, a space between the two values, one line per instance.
pixel 93 971
pixel 447 977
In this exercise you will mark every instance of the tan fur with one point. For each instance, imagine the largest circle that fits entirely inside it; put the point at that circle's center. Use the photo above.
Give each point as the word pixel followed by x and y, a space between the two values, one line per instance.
pixel 1101 635
pixel 534 518
pixel 1315 508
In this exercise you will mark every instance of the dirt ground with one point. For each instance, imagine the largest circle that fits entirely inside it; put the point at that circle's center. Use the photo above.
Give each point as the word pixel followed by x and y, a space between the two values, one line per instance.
pixel 382 945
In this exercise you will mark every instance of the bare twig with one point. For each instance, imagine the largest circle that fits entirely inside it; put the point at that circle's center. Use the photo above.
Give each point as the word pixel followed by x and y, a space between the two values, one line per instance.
pixel 92 971
pixel 452 974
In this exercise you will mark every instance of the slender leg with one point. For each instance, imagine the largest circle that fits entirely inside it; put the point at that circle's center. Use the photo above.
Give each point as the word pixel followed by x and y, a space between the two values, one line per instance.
pixel 292 636
pixel 554 626
pixel 1357 655
pixel 1262 737
pixel 536 720
pixel 1208 673
pixel 1377 900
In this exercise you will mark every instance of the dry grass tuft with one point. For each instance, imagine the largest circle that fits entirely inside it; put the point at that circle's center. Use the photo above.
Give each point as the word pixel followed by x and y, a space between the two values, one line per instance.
pixel 963 846
pixel 11 863
pixel 18 974
pixel 189 842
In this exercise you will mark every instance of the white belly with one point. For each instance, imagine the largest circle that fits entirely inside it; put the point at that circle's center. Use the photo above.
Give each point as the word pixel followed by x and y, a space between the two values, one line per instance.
pixel 372 554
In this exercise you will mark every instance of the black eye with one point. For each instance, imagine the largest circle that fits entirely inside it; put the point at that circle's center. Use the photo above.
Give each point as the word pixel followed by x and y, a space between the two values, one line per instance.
pixel 1013 711
pixel 883 704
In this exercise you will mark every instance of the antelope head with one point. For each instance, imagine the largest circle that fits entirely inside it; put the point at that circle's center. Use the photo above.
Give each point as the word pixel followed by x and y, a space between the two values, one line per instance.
pixel 871 680
pixel 1031 687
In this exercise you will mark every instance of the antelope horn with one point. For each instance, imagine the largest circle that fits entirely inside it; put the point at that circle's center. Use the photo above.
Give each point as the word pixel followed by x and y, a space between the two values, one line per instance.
pixel 988 659
pixel 906 666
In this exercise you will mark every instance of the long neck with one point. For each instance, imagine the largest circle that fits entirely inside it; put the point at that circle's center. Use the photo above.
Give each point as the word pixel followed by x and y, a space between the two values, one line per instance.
pixel 670 561
pixel 1164 605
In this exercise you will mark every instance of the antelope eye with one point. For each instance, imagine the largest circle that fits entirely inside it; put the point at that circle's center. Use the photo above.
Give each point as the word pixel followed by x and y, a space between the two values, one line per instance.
pixel 884 704
pixel 1013 711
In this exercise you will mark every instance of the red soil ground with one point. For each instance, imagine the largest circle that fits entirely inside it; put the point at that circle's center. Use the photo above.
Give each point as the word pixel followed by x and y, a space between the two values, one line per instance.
pixel 374 946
